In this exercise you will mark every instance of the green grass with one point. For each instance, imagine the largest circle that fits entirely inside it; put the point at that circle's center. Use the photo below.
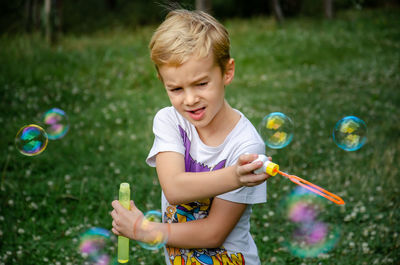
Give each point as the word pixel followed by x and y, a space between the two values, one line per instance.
pixel 315 71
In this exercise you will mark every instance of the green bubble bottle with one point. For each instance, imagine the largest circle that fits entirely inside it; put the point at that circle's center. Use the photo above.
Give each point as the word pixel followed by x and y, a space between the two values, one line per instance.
pixel 123 242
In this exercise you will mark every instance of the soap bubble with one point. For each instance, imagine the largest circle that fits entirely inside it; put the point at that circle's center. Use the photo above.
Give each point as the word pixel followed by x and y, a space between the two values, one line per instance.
pixel 56 123
pixel 276 129
pixel 350 133
pixel 31 140
pixel 155 235
pixel 97 245
pixel 308 234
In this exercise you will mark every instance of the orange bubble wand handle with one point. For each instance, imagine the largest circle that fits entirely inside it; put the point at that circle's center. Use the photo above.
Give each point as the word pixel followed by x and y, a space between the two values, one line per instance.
pixel 312 187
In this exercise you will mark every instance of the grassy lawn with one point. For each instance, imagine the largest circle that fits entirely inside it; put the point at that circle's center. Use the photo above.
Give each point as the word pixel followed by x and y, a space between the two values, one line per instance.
pixel 315 71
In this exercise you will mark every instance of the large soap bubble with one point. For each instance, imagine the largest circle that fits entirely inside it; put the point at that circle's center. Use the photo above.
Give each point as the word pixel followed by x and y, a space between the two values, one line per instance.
pixel 350 133
pixel 309 232
pixel 96 246
pixel 31 140
pixel 156 235
pixel 56 123
pixel 276 129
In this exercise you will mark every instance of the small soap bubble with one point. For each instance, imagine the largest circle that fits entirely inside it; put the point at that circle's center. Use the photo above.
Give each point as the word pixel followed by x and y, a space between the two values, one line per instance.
pixel 276 129
pixel 350 133
pixel 308 234
pixel 155 235
pixel 56 123
pixel 96 246
pixel 31 140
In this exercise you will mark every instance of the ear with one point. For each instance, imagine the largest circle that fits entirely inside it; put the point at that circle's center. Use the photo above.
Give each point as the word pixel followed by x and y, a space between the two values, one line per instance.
pixel 229 71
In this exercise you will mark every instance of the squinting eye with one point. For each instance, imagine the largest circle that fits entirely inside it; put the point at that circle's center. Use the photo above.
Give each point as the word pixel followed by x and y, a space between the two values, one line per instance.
pixel 175 89
pixel 202 84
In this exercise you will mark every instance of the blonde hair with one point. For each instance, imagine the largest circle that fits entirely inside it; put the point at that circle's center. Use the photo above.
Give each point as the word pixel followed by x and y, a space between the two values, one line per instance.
pixel 187 33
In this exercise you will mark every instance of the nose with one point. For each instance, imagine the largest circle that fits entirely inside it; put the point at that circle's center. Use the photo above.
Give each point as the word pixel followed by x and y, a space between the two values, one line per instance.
pixel 191 97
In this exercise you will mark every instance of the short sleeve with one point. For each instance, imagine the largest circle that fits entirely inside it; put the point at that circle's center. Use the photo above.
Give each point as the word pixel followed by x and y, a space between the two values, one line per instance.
pixel 166 135
pixel 247 195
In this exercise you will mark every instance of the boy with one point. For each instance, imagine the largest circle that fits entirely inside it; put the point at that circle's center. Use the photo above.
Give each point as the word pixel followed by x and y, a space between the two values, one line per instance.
pixel 200 149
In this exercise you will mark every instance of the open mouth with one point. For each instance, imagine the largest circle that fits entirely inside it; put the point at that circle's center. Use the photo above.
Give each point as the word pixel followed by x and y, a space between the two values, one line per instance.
pixel 197 111
pixel 197 114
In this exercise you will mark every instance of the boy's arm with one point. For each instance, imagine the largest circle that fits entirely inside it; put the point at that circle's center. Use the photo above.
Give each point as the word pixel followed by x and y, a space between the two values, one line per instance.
pixel 209 232
pixel 183 187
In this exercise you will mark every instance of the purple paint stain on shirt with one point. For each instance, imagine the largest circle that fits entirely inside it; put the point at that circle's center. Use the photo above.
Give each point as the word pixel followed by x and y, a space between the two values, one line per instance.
pixel 192 165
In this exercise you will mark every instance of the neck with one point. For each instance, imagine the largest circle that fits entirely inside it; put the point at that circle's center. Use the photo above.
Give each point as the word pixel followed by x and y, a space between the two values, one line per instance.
pixel 222 124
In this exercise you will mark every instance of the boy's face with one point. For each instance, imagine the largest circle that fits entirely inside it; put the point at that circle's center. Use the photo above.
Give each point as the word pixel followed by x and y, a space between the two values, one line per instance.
pixel 197 88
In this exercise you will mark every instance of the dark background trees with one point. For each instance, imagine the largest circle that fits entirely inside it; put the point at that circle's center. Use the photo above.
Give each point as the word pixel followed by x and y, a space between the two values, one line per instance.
pixel 84 16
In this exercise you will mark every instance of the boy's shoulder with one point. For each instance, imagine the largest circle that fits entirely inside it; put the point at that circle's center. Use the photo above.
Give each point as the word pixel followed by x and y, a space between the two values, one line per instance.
pixel 169 115
pixel 245 131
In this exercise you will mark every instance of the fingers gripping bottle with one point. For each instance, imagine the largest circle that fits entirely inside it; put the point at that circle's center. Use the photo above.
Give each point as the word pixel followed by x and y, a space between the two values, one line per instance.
pixel 123 242
pixel 268 167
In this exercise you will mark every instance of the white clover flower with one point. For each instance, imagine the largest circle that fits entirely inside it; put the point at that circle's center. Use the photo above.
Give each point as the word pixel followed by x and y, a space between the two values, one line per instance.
pixel 33 205
pixel 21 231
pixel 347 218
pixel 265 216
pixel 265 238
pixel 352 244
pixel 271 213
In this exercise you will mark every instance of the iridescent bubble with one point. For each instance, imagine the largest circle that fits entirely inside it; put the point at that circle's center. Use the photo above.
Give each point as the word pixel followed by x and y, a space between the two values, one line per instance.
pixel 308 233
pixel 276 129
pixel 56 123
pixel 97 245
pixel 31 140
pixel 350 133
pixel 155 235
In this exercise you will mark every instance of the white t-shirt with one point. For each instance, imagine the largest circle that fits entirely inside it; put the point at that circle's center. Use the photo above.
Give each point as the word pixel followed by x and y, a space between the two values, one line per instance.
pixel 174 133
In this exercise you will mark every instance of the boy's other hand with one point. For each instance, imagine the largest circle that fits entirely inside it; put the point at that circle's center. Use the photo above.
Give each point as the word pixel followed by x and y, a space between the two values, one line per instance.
pixel 245 168
pixel 124 219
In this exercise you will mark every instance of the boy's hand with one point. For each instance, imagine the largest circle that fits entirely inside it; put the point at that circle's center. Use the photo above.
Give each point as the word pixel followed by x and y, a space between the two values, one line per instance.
pixel 245 168
pixel 124 219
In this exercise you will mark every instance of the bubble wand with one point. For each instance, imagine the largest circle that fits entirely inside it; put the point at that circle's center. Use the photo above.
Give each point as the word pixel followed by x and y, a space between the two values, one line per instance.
pixel 123 242
pixel 272 169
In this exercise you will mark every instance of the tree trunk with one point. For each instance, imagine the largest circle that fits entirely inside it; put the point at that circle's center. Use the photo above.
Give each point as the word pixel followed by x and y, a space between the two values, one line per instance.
pixel 28 15
pixel 203 5
pixel 276 8
pixel 328 8
pixel 47 21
